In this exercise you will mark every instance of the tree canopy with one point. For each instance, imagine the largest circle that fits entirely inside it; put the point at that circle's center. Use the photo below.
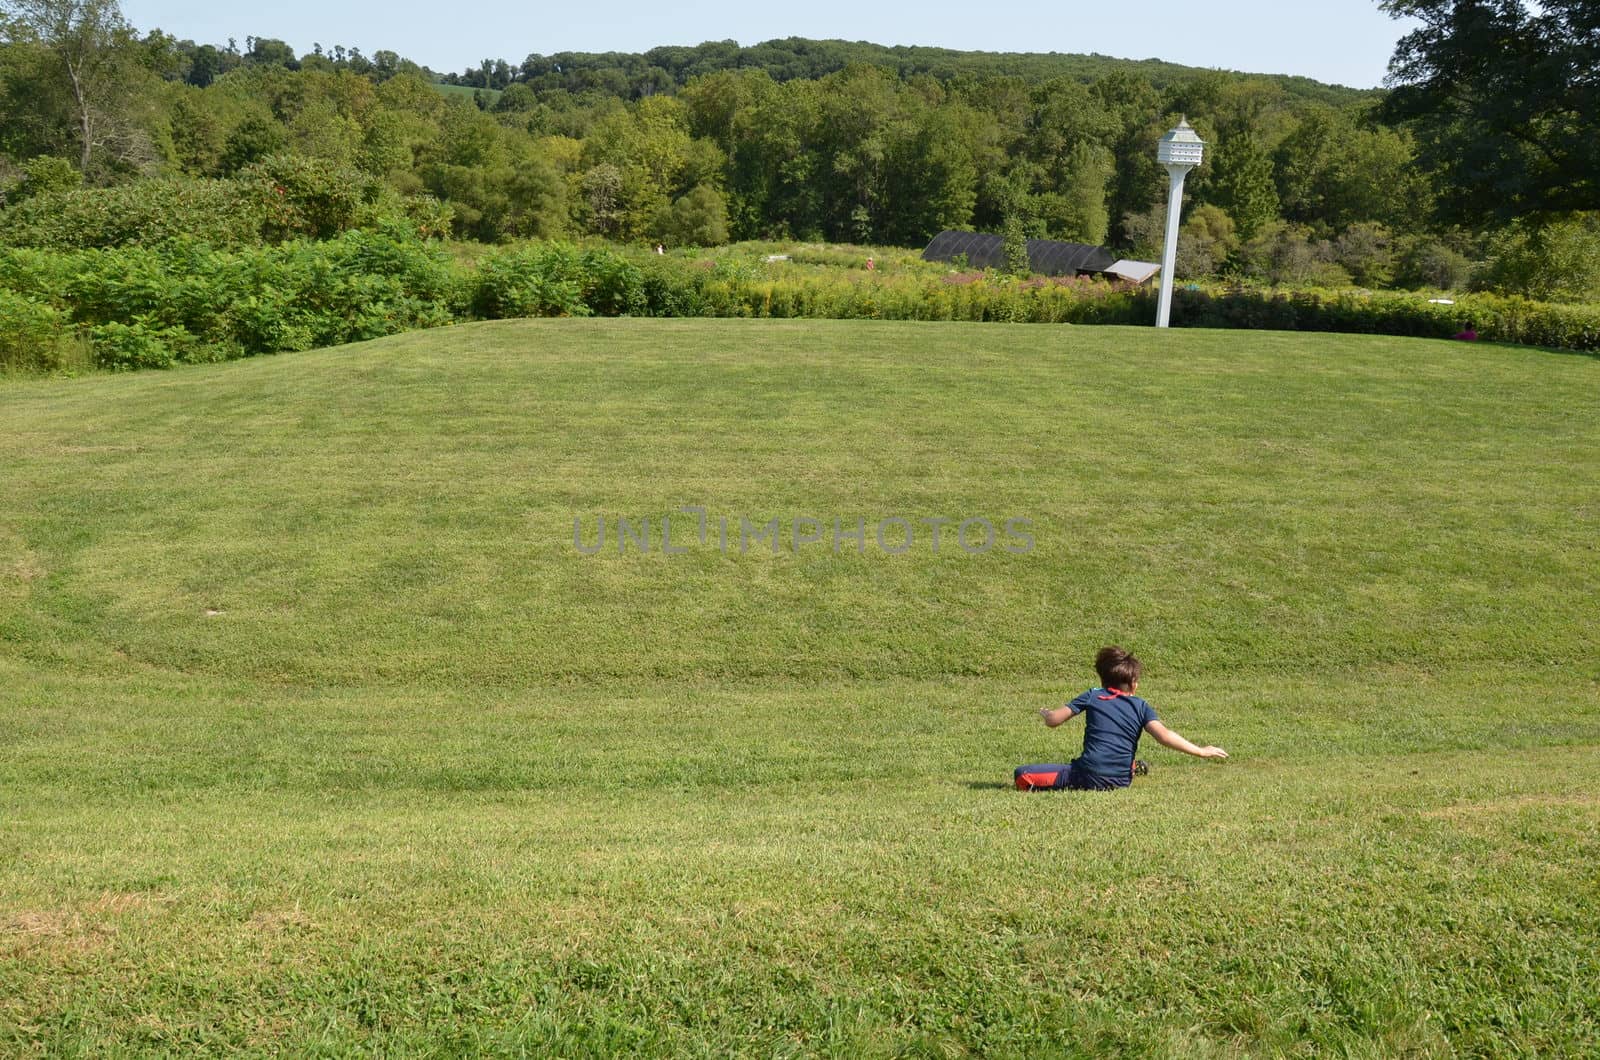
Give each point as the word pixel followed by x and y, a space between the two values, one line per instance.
pixel 1504 99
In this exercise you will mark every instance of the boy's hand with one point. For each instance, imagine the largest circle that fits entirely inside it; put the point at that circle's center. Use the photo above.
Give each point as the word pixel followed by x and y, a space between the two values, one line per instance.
pixel 1213 752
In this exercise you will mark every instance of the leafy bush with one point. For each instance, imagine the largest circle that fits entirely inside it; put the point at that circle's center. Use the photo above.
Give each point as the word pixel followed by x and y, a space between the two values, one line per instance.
pixel 43 174
pixel 308 197
pixel 613 285
pixel 262 300
pixel 1431 263
pixel 30 334
pixel 276 200
pixel 697 218
pixel 1557 261
pixel 144 213
pixel 1366 252
pixel 362 285
pixel 1285 254
pixel 125 347
pixel 542 280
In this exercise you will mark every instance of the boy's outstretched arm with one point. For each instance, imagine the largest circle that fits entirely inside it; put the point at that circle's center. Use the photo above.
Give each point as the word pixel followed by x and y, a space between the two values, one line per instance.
pixel 1055 717
pixel 1167 738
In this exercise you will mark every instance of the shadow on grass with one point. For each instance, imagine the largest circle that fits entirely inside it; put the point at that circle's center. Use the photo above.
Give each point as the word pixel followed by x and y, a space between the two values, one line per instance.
pixel 989 785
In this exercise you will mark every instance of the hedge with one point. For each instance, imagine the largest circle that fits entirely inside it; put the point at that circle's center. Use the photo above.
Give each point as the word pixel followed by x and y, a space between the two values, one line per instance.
pixel 149 306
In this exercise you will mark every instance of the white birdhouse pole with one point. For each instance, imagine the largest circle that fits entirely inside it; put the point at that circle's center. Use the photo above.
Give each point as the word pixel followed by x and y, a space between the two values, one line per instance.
pixel 1180 151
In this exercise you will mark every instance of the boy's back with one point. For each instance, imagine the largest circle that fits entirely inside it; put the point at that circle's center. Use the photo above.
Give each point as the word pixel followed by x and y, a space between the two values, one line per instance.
pixel 1113 722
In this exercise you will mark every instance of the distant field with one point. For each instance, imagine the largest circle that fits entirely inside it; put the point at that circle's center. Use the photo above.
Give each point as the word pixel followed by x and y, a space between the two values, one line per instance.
pixel 319 735
pixel 468 91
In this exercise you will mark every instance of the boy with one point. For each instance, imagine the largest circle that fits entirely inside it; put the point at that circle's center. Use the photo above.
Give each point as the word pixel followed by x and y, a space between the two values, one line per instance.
pixel 1114 720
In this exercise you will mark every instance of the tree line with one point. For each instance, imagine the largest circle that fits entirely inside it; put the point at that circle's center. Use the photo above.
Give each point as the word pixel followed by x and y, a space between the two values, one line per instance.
pixel 825 140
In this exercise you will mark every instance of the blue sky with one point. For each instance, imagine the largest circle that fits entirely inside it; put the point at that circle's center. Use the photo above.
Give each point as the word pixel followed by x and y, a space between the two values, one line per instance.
pixel 1341 41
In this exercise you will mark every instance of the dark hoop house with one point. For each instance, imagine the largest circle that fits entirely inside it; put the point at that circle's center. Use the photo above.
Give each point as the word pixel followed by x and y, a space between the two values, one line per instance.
pixel 1047 257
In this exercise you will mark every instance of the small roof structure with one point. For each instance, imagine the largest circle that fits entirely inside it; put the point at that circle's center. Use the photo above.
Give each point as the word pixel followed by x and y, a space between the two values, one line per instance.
pixel 1133 271
pixel 1048 257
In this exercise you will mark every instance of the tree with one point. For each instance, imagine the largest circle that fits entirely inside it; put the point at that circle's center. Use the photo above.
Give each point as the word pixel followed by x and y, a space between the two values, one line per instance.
pixel 1557 262
pixel 1336 169
pixel 698 218
pixel 93 51
pixel 1241 183
pixel 253 139
pixel 1366 250
pixel 1077 212
pixel 269 51
pixel 41 176
pixel 1503 98
pixel 1204 243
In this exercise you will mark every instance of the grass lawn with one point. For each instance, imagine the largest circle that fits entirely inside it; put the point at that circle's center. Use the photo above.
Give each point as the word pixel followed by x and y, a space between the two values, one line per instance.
pixel 318 734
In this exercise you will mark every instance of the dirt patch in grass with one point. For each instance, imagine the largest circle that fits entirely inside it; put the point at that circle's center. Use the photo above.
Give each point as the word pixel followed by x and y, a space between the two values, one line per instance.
pixel 54 931
pixel 279 921
pixel 83 928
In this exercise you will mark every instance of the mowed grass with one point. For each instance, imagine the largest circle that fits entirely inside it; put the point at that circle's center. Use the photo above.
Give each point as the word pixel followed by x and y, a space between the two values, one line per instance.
pixel 430 780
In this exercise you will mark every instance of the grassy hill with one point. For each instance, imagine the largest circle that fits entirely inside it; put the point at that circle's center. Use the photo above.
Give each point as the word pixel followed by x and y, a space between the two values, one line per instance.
pixel 320 734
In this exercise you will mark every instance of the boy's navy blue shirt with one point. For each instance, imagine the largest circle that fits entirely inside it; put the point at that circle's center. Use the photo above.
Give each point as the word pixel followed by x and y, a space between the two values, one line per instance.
pixel 1112 725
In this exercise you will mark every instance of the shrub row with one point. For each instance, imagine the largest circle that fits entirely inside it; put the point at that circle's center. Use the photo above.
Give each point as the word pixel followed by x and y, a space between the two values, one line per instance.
pixel 149 307
pixel 1493 318
pixel 280 198
pixel 183 302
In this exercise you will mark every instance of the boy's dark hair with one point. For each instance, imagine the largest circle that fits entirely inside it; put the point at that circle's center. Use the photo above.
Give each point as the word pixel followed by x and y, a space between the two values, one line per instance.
pixel 1117 668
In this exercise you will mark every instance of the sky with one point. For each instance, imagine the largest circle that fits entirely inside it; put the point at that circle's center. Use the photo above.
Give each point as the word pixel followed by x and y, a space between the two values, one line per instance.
pixel 1345 42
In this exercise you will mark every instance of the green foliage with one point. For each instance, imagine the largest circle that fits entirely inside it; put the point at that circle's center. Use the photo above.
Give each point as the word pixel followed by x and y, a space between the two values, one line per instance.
pixel 199 304
pixel 499 186
pixel 1016 246
pixel 1558 260
pixel 262 300
pixel 798 140
pixel 1502 96
pixel 789 145
pixel 1336 169
pixel 147 212
pixel 1291 255
pixel 30 334
pixel 1077 212
pixel 1144 233
pixel 255 138
pixel 284 197
pixel 127 347
pixel 1366 251
pixel 307 197
pixel 541 280
pixel 1241 184
pixel 1426 262
pixel 801 59
pixel 1495 319
pixel 359 286
pixel 1205 242
pixel 43 175
pixel 698 218
pixel 86 84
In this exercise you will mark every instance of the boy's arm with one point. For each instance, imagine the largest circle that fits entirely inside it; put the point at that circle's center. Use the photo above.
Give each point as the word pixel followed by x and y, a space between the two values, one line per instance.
pixel 1055 717
pixel 1167 738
